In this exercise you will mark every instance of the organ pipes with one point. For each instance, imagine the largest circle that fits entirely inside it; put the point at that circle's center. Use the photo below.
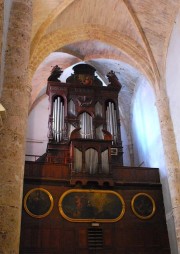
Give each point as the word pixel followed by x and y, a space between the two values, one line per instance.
pixel 86 126
pixel 71 107
pixel 111 120
pixel 98 109
pixel 58 119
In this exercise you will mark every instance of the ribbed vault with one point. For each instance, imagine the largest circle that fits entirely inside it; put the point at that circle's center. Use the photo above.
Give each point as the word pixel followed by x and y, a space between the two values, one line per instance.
pixel 126 36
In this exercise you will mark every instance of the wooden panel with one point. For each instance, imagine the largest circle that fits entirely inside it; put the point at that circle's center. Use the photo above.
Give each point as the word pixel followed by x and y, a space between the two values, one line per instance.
pixel 108 237
pixel 48 170
pixel 56 240
pixel 144 175
pixel 69 241
pixel 54 234
pixel 82 238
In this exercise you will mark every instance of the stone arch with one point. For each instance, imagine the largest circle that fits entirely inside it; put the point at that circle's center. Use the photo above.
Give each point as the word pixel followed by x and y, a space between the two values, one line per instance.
pixel 52 42
pixel 51 17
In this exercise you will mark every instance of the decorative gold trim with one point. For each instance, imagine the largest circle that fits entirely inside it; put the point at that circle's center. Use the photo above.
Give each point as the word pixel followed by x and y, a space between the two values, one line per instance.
pixel 153 206
pixel 35 215
pixel 94 219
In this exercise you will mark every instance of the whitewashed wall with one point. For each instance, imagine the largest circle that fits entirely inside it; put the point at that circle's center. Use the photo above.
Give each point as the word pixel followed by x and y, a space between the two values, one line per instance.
pixel 36 138
pixel 148 148
pixel 173 92
pixel 145 127
pixel 173 79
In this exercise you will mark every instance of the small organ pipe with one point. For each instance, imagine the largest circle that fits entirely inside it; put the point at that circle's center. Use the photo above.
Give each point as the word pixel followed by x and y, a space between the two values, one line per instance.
pixel 71 107
pixel 55 120
pixel 62 121
pixel 91 128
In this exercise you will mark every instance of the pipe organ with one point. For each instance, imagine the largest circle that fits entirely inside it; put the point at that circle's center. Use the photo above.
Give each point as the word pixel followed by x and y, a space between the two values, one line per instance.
pixel 78 196
pixel 84 111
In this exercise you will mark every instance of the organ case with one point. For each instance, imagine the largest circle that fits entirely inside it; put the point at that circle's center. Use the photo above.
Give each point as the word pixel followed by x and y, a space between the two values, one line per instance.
pixel 92 203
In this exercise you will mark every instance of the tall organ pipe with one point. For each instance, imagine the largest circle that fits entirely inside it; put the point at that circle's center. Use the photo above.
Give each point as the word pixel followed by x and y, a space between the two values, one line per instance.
pixel 86 126
pixel 62 121
pixel 115 125
pixel 58 119
pixel 109 111
pixel 91 128
pixel 55 120
pixel 111 120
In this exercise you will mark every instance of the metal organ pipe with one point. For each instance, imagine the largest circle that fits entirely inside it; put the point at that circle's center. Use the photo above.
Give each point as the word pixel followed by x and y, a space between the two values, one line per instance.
pixel 98 109
pixel 58 110
pixel 55 120
pixel 86 126
pixel 110 117
pixel 71 107
pixel 107 120
pixel 111 120
pixel 58 119
pixel 115 125
pixel 62 131
pixel 91 128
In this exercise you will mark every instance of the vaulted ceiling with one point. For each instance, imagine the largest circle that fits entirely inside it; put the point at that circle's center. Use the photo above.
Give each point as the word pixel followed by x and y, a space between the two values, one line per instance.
pixel 129 37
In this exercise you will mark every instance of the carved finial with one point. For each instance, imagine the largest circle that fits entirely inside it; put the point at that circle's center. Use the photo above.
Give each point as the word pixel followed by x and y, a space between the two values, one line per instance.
pixel 113 79
pixel 111 75
pixel 55 73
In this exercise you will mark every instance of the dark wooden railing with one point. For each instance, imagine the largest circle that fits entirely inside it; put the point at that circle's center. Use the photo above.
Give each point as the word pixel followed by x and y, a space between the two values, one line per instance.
pixel 119 175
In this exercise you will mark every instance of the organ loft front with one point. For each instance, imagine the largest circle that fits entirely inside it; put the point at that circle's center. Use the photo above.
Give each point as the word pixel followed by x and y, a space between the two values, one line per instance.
pixel 78 196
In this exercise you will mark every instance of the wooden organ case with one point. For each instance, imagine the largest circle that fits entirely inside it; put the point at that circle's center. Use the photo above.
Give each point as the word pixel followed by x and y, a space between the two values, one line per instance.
pixel 78 197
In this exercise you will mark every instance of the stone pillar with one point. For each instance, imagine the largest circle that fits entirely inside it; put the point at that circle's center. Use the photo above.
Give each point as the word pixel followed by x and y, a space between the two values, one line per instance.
pixel 15 99
pixel 1 24
pixel 171 157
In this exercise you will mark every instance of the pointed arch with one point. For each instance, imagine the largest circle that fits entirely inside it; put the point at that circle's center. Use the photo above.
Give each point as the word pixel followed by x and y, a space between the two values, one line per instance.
pixel 125 44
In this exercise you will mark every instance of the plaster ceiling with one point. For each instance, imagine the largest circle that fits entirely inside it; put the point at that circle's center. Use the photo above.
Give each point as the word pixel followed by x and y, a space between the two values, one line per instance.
pixel 129 37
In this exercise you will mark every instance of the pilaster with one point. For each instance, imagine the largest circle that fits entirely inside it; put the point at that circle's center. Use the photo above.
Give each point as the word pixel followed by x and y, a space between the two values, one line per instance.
pixel 171 157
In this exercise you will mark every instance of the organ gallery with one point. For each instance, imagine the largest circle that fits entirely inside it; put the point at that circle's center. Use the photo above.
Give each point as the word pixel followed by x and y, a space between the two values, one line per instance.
pixel 78 196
